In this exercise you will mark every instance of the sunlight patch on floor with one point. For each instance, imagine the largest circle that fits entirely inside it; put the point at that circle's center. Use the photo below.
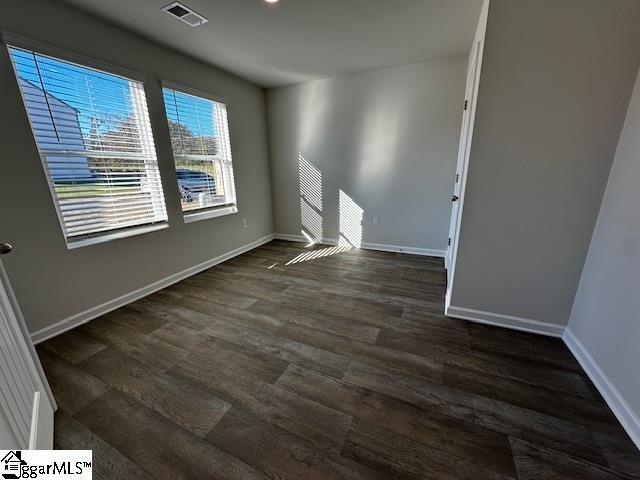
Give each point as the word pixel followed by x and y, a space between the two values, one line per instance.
pixel 315 254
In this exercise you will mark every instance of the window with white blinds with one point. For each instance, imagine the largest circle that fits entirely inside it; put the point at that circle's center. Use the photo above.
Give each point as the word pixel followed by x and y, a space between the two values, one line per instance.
pixel 94 137
pixel 201 149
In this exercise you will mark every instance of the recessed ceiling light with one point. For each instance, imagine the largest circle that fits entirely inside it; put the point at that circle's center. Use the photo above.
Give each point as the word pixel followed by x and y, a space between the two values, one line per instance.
pixel 272 1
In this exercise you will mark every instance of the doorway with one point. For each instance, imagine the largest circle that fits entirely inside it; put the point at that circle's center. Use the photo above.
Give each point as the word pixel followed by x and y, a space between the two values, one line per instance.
pixel 457 197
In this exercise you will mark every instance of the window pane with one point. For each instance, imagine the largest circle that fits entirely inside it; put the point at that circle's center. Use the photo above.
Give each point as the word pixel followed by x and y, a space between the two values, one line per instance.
pixel 94 136
pixel 201 149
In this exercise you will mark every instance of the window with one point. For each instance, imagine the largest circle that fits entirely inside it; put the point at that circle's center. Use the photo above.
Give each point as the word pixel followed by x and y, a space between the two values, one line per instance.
pixel 202 153
pixel 93 133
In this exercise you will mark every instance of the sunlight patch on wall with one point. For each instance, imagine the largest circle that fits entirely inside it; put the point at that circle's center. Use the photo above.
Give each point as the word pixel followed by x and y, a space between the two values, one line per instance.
pixel 349 221
pixel 310 240
pixel 310 182
pixel 311 221
pixel 310 199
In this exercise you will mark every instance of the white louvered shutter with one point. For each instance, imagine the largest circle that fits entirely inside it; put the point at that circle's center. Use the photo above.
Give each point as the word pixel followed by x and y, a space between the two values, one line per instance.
pixel 94 136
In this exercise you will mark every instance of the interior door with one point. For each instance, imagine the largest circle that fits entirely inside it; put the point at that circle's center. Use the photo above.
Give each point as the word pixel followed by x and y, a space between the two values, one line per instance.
pixel 26 401
pixel 462 156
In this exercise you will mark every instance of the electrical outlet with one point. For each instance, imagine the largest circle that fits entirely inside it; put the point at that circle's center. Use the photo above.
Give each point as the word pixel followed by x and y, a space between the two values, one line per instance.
pixel 244 223
pixel 376 221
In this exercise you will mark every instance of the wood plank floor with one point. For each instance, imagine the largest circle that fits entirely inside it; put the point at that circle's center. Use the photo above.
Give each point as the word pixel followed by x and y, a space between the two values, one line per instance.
pixel 306 363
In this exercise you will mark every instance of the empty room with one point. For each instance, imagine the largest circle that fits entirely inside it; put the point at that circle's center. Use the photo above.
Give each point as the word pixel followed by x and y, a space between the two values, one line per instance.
pixel 291 239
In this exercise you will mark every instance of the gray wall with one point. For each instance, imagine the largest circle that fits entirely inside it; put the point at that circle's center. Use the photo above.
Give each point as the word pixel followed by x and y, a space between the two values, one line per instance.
pixel 388 138
pixel 556 80
pixel 51 282
pixel 605 313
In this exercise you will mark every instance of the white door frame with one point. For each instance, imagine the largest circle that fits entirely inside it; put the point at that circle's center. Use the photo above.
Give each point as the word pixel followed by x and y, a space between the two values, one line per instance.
pixel 26 399
pixel 461 167
pixel 466 137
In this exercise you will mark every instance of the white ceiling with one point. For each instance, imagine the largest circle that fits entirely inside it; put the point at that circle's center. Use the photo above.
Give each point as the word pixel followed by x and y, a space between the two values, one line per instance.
pixel 298 40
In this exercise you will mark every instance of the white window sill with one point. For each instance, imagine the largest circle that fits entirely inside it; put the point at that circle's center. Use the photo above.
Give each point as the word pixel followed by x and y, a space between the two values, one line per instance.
pixel 108 237
pixel 216 212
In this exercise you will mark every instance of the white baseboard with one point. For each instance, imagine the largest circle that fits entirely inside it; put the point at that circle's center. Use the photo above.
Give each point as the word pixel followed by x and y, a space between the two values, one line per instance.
pixel 618 405
pixel 369 246
pixel 297 238
pixel 506 321
pixel 428 252
pixel 94 312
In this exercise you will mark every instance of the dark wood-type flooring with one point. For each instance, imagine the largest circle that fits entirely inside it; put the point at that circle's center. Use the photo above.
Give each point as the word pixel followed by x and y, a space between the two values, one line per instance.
pixel 338 365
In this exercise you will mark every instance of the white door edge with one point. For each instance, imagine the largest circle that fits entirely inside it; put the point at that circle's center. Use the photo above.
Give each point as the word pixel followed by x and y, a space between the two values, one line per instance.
pixel 478 53
pixel 26 399
pixel 41 434
pixel 35 413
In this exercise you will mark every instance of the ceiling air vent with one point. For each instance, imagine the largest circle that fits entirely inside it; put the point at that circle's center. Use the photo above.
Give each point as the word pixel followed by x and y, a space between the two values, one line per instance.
pixel 185 14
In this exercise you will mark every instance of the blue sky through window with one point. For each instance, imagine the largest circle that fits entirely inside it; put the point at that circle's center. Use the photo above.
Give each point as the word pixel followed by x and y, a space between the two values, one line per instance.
pixel 95 94
pixel 92 93
pixel 193 112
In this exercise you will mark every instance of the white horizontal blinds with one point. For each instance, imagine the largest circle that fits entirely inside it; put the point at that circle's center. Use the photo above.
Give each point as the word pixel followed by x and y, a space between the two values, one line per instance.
pixel 202 151
pixel 94 136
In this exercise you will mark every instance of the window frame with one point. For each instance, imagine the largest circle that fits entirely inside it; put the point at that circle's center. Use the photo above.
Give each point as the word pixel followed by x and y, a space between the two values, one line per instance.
pixel 9 40
pixel 206 212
